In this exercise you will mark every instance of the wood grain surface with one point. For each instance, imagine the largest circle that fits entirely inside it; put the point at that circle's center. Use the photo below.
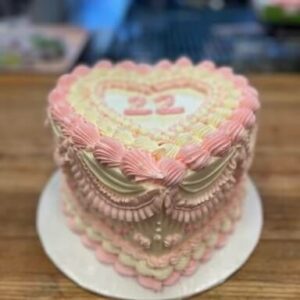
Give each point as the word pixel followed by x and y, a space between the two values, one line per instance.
pixel 272 272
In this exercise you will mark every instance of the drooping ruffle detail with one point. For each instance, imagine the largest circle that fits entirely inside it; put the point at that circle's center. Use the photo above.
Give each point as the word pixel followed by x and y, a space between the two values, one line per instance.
pixel 109 152
pixel 240 80
pixel 140 165
pixel 130 209
pixel 202 204
pixel 226 71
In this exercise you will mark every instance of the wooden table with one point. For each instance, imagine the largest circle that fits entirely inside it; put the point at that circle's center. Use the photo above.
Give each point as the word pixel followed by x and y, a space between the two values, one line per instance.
pixel 273 271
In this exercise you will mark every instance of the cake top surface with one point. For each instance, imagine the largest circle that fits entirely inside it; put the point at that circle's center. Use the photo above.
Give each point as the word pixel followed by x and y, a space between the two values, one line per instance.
pixel 180 113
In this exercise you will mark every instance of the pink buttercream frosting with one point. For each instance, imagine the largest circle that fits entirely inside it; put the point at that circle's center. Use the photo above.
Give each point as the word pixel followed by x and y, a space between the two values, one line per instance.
pixel 104 64
pixel 63 112
pixel 226 71
pixel 141 165
pixel 173 279
pixel 81 70
pixel 66 80
pixel 85 135
pixel 123 270
pixel 191 268
pixel 209 65
pixel 250 101
pixel 244 116
pixel 164 64
pixel 217 143
pixel 150 283
pixel 57 95
pixel 109 152
pixel 105 257
pixel 234 130
pixel 88 243
pixel 173 171
pixel 195 156
pixel 184 62
pixel 127 65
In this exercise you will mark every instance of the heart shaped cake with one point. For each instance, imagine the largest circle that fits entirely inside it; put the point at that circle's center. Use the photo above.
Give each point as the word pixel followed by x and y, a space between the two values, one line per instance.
pixel 154 160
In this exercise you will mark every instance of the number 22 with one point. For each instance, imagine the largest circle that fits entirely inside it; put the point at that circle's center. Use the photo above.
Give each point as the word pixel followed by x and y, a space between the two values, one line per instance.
pixel 136 107
pixel 164 106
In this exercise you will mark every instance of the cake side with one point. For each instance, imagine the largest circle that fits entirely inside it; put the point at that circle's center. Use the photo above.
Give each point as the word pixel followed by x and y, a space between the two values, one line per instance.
pixel 153 271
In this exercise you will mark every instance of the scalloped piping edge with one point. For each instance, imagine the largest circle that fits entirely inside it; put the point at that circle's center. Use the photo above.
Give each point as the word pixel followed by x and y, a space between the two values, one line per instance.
pixel 147 282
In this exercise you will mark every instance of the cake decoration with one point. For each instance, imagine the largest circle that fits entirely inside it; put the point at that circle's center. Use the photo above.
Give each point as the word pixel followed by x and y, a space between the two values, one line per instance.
pixel 154 161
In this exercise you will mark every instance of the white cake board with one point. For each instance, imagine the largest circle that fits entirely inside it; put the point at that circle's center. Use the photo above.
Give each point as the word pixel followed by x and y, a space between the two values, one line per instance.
pixel 66 251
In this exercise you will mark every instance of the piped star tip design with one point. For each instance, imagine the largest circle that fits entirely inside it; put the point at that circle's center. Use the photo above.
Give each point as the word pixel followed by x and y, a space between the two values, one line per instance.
pixel 84 134
pixel 109 152
pixel 141 165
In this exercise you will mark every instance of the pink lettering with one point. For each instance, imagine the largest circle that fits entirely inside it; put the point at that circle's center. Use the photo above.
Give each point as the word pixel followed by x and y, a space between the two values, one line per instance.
pixel 166 106
pixel 136 107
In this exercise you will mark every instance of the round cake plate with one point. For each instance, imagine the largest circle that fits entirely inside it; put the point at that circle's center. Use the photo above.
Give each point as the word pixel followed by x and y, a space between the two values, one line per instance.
pixel 66 251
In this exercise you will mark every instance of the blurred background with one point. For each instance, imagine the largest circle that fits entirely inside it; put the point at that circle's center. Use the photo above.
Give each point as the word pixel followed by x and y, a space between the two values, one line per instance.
pixel 52 36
